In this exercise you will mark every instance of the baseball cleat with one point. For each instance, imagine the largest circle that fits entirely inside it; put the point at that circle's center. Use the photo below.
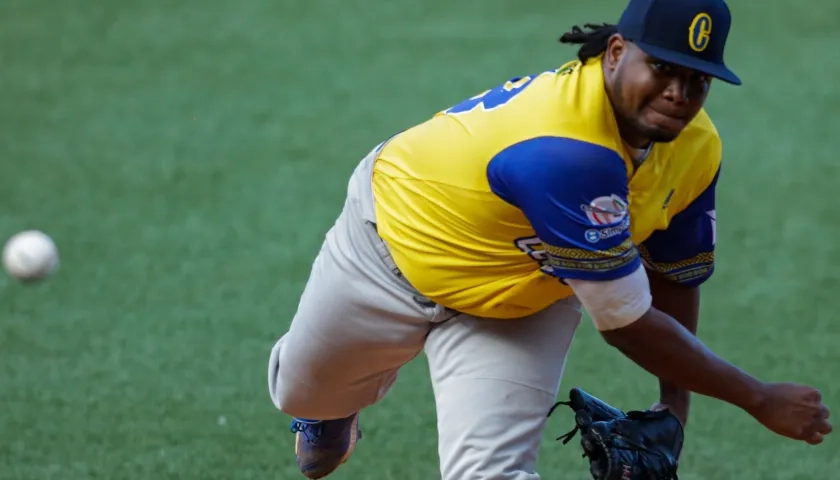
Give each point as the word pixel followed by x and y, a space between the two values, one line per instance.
pixel 322 446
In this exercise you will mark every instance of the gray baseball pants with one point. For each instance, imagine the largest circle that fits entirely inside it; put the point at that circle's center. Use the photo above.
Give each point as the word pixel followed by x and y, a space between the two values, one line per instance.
pixel 359 321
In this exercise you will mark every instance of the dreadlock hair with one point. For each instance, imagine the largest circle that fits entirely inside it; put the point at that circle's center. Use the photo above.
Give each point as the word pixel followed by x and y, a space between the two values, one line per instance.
pixel 592 42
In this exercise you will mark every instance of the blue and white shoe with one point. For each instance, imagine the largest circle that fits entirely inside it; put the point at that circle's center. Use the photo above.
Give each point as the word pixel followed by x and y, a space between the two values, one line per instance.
pixel 322 446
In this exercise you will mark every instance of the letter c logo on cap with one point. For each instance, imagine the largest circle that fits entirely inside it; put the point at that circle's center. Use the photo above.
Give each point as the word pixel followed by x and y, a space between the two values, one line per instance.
pixel 699 31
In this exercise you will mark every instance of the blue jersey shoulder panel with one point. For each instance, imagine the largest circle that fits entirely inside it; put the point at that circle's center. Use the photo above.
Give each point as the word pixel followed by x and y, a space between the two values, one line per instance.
pixel 574 194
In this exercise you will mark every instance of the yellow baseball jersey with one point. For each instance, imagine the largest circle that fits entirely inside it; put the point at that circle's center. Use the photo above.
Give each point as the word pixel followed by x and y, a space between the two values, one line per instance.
pixel 489 205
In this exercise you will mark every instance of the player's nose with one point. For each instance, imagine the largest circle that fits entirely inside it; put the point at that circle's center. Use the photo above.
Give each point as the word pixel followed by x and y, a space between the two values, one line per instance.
pixel 677 91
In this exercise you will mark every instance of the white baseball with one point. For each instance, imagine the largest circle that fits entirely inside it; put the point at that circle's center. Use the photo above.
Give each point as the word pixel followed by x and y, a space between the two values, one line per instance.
pixel 30 255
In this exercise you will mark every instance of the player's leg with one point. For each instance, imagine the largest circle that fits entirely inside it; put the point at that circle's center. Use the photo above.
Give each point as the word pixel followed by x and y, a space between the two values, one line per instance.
pixel 357 323
pixel 494 383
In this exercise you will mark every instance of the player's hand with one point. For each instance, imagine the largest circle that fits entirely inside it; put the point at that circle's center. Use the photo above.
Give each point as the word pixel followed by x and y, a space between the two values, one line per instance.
pixel 794 411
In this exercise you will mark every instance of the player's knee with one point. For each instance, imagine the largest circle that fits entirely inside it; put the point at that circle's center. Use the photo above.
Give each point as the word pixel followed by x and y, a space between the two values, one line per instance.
pixel 287 402
pixel 282 396
pixel 299 398
pixel 287 399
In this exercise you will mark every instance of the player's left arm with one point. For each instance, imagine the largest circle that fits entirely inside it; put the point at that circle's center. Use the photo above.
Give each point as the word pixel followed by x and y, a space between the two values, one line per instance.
pixel 679 260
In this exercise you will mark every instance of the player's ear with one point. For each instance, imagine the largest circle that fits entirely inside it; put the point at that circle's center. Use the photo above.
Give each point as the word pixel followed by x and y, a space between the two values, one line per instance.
pixel 616 47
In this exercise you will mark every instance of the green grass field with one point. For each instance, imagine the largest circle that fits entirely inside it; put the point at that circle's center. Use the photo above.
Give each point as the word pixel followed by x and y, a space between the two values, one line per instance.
pixel 189 156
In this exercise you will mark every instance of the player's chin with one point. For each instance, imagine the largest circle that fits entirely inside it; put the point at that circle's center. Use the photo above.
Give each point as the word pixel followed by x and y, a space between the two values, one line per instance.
pixel 662 129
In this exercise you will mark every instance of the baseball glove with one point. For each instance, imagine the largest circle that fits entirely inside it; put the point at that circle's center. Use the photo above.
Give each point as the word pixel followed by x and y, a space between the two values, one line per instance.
pixel 637 445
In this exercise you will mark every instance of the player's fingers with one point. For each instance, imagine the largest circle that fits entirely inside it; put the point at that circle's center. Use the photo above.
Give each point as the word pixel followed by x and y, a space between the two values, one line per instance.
pixel 814 395
pixel 815 439
pixel 825 428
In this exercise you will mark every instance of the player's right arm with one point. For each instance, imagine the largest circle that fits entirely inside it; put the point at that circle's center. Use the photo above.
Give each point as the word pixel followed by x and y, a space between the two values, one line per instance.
pixel 555 182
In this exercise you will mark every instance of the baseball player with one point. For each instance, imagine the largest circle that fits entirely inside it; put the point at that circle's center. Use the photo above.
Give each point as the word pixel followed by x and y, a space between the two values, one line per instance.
pixel 478 235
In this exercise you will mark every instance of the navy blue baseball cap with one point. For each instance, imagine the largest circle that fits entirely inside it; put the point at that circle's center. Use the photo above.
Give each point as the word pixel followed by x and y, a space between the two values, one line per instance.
pixel 689 33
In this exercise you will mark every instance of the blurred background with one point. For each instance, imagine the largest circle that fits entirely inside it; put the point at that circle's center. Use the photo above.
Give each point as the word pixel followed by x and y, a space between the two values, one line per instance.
pixel 188 157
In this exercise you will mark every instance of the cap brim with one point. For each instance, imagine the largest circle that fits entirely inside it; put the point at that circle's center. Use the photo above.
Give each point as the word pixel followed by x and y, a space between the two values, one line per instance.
pixel 709 68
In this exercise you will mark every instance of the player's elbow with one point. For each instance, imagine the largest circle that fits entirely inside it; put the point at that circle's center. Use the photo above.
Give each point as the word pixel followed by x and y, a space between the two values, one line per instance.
pixel 623 337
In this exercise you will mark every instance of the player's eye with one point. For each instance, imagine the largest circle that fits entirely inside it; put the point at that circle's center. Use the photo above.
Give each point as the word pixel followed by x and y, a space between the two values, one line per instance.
pixel 700 83
pixel 703 79
pixel 661 67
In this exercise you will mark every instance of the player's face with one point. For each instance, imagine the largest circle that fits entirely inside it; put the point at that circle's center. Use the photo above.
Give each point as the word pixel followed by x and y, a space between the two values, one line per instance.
pixel 654 100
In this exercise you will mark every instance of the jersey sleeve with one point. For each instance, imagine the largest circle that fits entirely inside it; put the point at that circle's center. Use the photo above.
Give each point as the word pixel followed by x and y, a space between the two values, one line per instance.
pixel 574 194
pixel 685 251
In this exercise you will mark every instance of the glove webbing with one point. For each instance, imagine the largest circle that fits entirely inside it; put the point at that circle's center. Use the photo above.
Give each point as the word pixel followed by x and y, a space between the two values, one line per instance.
pixel 567 437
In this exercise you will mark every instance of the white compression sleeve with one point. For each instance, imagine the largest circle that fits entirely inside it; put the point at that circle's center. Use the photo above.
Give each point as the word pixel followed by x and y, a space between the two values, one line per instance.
pixel 616 303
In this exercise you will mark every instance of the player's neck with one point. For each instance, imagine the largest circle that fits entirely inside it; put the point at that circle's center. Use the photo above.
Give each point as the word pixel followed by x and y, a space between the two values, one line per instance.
pixel 638 155
pixel 636 146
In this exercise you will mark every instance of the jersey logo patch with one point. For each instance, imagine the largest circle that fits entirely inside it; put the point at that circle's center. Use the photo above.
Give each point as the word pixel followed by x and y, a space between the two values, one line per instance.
pixel 595 235
pixel 605 210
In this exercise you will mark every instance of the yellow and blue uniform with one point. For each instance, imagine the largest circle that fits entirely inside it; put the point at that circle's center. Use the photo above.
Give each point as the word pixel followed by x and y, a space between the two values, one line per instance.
pixel 488 205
